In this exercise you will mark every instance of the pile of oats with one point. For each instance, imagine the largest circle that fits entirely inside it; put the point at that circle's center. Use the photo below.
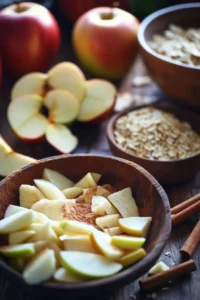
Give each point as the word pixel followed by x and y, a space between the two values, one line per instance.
pixel 178 44
pixel 156 135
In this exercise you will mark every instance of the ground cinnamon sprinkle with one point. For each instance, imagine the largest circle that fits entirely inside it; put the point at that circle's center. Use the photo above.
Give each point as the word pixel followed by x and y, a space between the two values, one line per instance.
pixel 80 212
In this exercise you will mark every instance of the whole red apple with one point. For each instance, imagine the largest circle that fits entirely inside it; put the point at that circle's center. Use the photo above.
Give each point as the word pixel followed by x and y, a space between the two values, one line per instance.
pixel 105 41
pixel 29 38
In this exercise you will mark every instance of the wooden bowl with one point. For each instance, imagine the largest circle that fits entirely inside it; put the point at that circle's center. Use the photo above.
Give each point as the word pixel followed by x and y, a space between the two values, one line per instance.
pixel 150 197
pixel 178 80
pixel 173 171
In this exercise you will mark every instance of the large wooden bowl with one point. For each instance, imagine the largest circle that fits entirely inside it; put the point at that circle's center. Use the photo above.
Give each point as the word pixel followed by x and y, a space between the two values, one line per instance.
pixel 174 171
pixel 178 80
pixel 150 197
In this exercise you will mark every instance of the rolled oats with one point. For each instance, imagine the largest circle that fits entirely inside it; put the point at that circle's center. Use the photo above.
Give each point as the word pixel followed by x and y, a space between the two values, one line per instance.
pixel 156 135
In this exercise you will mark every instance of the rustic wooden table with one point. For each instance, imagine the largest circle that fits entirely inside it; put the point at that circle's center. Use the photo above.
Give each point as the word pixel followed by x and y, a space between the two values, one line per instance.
pixel 93 140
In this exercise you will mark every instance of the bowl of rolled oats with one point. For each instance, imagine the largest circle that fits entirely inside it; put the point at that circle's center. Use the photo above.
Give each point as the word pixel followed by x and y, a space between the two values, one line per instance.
pixel 163 139
pixel 169 42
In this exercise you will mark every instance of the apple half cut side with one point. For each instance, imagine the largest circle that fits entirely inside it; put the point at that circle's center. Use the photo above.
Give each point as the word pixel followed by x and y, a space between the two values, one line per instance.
pixel 25 118
pixel 61 138
pixel 98 102
pixel 62 105
pixel 32 83
pixel 67 76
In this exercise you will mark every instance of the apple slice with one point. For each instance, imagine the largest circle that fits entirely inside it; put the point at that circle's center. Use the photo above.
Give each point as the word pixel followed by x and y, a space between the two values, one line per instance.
pixel 63 106
pixel 28 195
pixel 22 250
pixel 102 244
pixel 50 191
pixel 77 227
pixel 95 191
pixel 32 83
pixel 40 268
pixel 40 245
pixel 13 209
pixel 101 206
pixel 98 102
pixel 16 221
pixel 44 232
pixel 108 221
pixel 80 243
pixel 57 179
pixel 132 257
pixel 67 76
pixel 53 209
pixel 137 226
pixel 158 268
pixel 19 237
pixel 89 265
pixel 64 275
pixel 113 231
pixel 25 118
pixel 86 182
pixel 124 203
pixel 128 242
pixel 109 188
pixel 61 138
pixel 72 192
pixel 56 249
pixel 96 176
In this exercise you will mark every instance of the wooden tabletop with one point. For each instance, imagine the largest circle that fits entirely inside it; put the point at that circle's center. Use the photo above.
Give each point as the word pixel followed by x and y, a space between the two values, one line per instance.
pixel 92 139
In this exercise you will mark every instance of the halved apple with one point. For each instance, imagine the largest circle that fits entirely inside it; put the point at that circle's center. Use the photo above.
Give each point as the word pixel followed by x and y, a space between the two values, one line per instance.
pixel 102 244
pixel 101 206
pixel 158 268
pixel 113 231
pixel 137 226
pixel 72 192
pixel 19 237
pixel 25 118
pixel 16 221
pixel 53 209
pixel 64 275
pixel 32 83
pixel 77 227
pixel 62 105
pixel 98 102
pixel 80 243
pixel 108 221
pixel 132 257
pixel 28 195
pixel 21 250
pixel 40 268
pixel 57 179
pixel 124 203
pixel 127 242
pixel 50 191
pixel 86 182
pixel 67 76
pixel 61 138
pixel 89 265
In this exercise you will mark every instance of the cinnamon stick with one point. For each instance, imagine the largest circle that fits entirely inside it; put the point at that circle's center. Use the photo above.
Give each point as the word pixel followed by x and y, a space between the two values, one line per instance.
pixel 186 213
pixel 160 279
pixel 192 242
pixel 178 208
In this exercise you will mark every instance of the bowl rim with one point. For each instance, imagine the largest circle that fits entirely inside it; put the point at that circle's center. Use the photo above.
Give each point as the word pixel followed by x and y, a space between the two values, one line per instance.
pixel 112 121
pixel 124 276
pixel 144 24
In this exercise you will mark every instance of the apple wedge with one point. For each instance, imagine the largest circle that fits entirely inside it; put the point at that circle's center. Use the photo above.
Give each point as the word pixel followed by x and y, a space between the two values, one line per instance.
pixel 13 209
pixel 61 138
pixel 72 226
pixel 102 244
pixel 108 221
pixel 96 176
pixel 113 231
pixel 40 268
pixel 16 221
pixel 57 179
pixel 101 206
pixel 63 107
pixel 28 195
pixel 64 275
pixel 127 242
pixel 32 83
pixel 19 237
pixel 72 192
pixel 89 265
pixel 158 268
pixel 86 182
pixel 25 118
pixel 22 250
pixel 124 203
pixel 44 232
pixel 137 226
pixel 95 191
pixel 50 191
pixel 67 76
pixel 53 209
pixel 132 257
pixel 98 102
pixel 80 243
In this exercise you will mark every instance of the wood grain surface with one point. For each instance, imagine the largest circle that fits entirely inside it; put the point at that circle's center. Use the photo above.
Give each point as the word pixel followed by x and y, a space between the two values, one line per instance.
pixel 92 139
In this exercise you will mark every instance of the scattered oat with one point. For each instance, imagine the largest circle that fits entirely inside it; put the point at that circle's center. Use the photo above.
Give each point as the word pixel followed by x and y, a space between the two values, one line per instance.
pixel 178 44
pixel 141 80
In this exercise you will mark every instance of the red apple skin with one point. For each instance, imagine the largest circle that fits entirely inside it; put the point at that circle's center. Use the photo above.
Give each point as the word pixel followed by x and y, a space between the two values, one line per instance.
pixel 29 41
pixel 106 48
pixel 72 10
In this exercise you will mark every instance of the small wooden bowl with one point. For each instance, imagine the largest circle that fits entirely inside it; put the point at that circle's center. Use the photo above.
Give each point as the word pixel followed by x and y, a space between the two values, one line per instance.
pixel 178 80
pixel 173 171
pixel 150 197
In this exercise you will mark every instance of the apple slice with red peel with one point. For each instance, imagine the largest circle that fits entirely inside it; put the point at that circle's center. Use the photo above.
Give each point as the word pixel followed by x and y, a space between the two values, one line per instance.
pixel 98 102
pixel 62 105
pixel 67 76
pixel 32 83
pixel 25 118
pixel 61 138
